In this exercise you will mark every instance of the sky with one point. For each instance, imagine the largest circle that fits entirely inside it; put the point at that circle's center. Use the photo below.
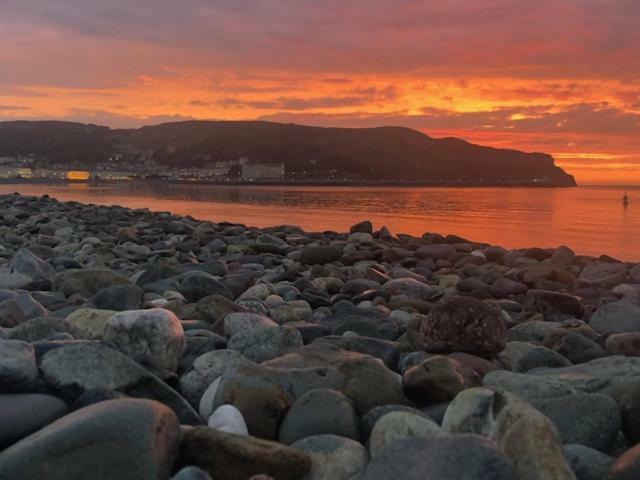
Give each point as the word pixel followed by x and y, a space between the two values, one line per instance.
pixel 555 76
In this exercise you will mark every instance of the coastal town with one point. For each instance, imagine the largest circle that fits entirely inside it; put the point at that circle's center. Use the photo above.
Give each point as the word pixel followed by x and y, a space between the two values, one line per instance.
pixel 241 169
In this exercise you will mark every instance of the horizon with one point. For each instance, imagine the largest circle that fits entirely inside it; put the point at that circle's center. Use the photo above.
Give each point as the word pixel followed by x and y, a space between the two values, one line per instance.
pixel 481 71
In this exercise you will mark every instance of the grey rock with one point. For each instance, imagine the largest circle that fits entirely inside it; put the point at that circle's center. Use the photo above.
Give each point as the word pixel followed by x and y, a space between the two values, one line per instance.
pixel 397 425
pixel 191 473
pixel 527 386
pixel 151 337
pixel 332 457
pixel 119 297
pixel 464 456
pixel 90 281
pixel 320 254
pixel 621 316
pixel 90 440
pixel 21 414
pixel 586 419
pixel 78 367
pixel 26 263
pixel 369 419
pixel 587 463
pixel 265 343
pixel 319 412
pixel 603 274
pixel 540 357
pixel 18 369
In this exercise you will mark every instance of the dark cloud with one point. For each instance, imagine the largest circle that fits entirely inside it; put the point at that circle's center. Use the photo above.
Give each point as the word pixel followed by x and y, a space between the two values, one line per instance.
pixel 595 119
pixel 91 42
pixel 362 96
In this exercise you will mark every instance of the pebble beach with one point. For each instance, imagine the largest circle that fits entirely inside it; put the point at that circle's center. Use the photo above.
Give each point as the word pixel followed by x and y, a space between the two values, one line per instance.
pixel 147 345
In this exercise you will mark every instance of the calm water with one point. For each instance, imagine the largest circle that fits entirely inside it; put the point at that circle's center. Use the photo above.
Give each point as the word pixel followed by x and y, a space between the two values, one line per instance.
pixel 591 220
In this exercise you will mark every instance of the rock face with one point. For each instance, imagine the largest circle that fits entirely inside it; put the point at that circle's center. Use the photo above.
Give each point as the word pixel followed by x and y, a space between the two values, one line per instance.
pixel 227 456
pixel 440 459
pixel 89 440
pixel 464 324
pixel 151 337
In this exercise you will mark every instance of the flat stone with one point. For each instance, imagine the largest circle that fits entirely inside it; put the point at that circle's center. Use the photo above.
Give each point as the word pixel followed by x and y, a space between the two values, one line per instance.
pixel 90 321
pixel 467 457
pixel 21 414
pixel 226 456
pixel 332 457
pixel 527 386
pixel 319 412
pixel 90 281
pixel 621 316
pixel 396 425
pixel 265 343
pixel 18 369
pixel 587 463
pixel 91 440
pixel 75 368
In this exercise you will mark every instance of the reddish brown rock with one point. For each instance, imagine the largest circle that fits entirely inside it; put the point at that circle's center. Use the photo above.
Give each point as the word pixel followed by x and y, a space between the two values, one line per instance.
pixel 438 379
pixel 627 344
pixel 464 324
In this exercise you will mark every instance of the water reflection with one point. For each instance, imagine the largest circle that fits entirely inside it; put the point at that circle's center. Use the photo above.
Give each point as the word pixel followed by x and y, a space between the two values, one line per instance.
pixel 591 220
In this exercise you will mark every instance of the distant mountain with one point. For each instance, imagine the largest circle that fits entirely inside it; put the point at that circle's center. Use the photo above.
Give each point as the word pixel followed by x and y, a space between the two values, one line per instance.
pixel 390 153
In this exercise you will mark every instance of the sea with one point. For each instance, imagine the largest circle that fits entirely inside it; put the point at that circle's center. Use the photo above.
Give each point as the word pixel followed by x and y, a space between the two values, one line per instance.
pixel 591 220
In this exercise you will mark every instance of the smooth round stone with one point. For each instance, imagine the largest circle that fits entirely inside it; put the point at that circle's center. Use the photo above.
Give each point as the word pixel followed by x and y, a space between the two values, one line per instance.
pixel 396 425
pixel 540 357
pixel 585 419
pixel 237 322
pixel 119 297
pixel 369 419
pixel 151 337
pixel 198 285
pixel 320 254
pixel 587 463
pixel 191 473
pixel 18 369
pixel 91 322
pixel 528 387
pixel 266 343
pixel 578 349
pixel 438 379
pixel 207 402
pixel 622 316
pixel 91 442
pixel 319 412
pixel 88 282
pixel 228 456
pixel 42 328
pixel 467 457
pixel 332 457
pixel 409 287
pixel 228 418
pixel 21 414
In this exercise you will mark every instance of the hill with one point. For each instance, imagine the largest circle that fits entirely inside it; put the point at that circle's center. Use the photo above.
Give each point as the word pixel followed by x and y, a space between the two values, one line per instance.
pixel 389 153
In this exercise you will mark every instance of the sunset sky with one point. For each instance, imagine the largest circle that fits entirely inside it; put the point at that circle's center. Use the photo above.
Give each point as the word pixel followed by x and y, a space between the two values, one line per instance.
pixel 557 76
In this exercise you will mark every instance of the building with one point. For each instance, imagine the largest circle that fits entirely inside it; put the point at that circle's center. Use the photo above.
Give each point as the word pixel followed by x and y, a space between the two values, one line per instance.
pixel 262 171
pixel 15 172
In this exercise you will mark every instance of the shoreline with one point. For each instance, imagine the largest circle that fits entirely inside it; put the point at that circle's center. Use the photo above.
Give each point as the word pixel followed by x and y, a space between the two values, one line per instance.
pixel 363 183
pixel 169 343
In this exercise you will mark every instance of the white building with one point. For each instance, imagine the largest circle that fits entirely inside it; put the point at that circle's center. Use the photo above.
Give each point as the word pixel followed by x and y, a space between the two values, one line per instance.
pixel 262 171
